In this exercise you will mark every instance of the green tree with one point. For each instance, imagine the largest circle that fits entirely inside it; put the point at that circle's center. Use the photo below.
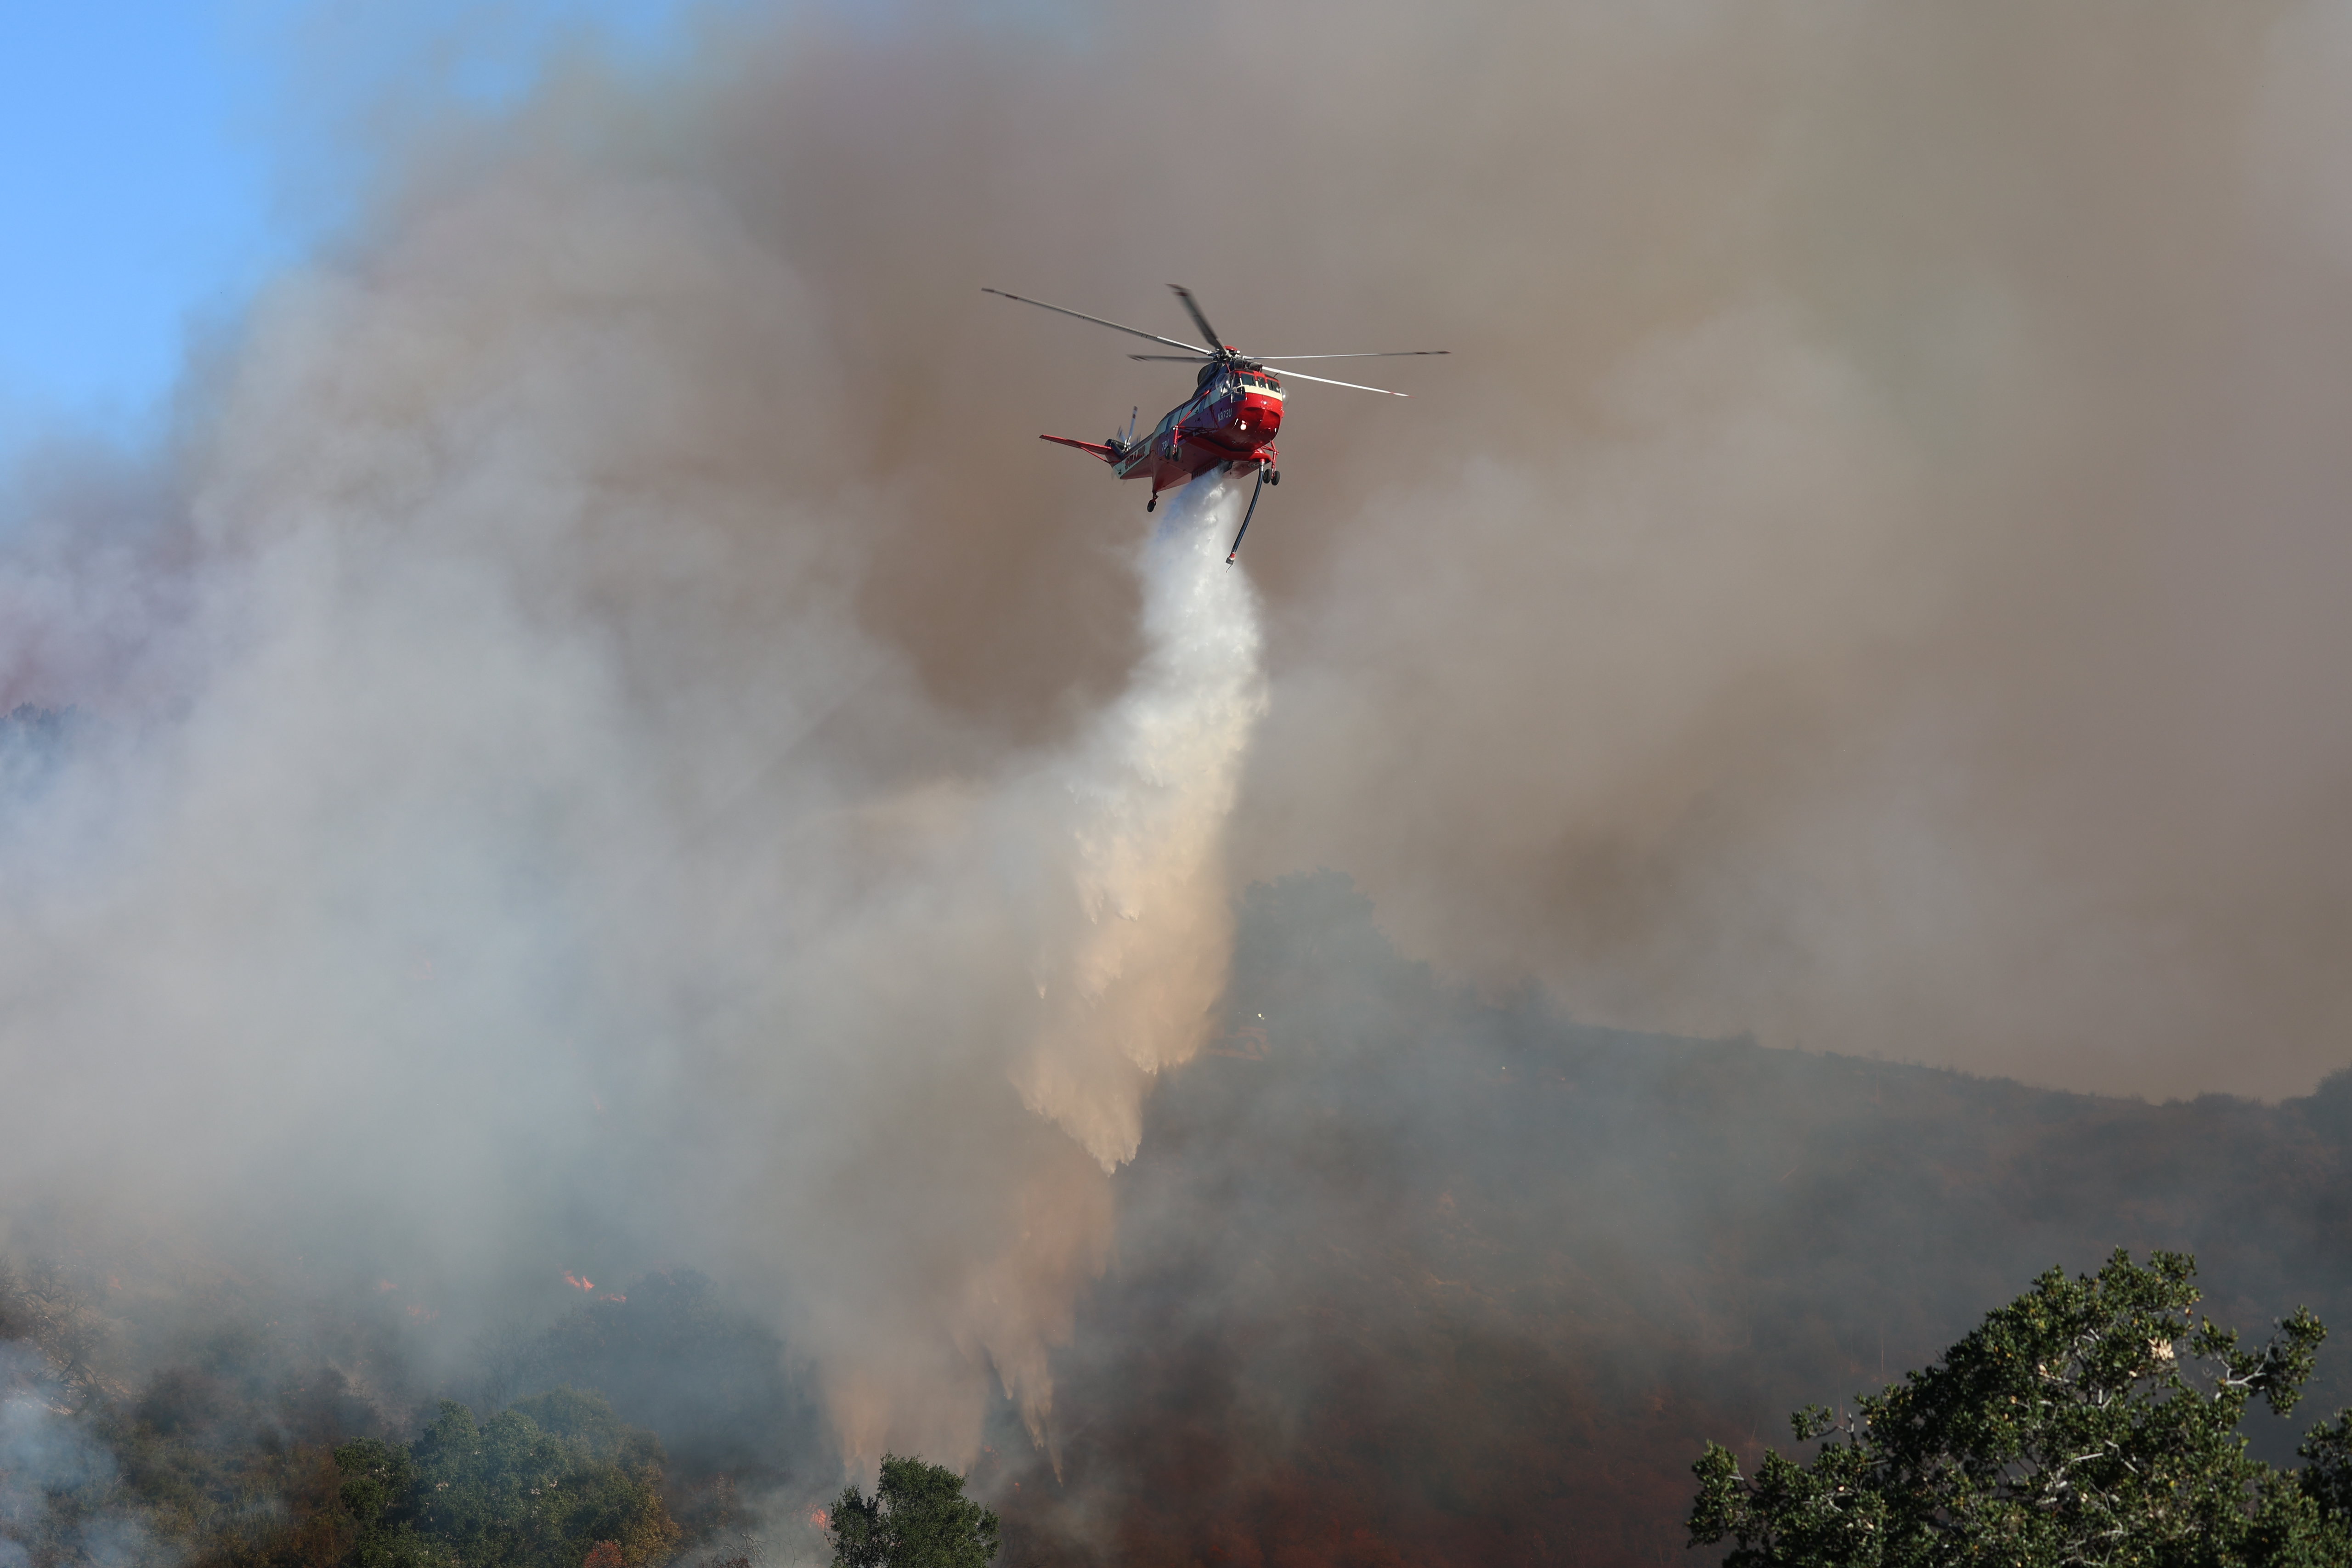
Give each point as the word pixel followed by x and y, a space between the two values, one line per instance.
pixel 540 1485
pixel 2092 1421
pixel 916 1518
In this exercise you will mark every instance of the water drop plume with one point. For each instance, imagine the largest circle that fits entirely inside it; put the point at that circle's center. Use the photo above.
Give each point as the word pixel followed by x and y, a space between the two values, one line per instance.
pixel 1150 791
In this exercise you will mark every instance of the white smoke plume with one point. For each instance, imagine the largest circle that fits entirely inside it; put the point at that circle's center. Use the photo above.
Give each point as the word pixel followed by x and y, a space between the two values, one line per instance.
pixel 516 818
pixel 48 1465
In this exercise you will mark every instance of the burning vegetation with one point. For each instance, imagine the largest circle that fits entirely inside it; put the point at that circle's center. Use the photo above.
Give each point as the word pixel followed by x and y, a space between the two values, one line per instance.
pixel 555 1481
pixel 243 1447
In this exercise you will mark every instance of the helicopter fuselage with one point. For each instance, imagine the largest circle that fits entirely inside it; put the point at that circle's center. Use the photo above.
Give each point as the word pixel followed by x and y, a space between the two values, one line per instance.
pixel 1229 422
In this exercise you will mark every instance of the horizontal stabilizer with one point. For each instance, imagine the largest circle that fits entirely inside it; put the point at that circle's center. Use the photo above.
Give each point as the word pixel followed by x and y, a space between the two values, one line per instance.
pixel 1107 453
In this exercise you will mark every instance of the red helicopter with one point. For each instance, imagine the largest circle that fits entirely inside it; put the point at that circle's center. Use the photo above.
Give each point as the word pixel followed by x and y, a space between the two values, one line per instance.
pixel 1229 420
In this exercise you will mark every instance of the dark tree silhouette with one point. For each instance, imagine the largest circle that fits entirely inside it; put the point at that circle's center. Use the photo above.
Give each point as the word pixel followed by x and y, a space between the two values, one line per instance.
pixel 2092 1420
pixel 916 1518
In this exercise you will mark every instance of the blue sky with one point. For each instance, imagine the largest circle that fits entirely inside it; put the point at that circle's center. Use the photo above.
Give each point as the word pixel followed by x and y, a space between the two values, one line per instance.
pixel 151 152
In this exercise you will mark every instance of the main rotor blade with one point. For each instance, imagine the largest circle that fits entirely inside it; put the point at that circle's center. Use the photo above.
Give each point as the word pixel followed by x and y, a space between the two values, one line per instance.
pixel 1199 320
pixel 1302 375
pixel 1185 359
pixel 1099 322
pixel 1388 353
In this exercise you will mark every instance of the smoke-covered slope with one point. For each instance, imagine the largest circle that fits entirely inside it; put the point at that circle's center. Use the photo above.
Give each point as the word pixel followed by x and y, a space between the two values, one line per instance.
pixel 1434 1280
pixel 1399 1276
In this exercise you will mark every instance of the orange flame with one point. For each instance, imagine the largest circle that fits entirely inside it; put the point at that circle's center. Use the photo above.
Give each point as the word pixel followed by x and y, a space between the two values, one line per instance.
pixel 578 1283
pixel 821 1518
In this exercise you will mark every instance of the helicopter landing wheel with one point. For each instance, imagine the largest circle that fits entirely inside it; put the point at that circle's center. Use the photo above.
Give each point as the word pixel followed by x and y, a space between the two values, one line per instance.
pixel 1274 476
pixel 1151 505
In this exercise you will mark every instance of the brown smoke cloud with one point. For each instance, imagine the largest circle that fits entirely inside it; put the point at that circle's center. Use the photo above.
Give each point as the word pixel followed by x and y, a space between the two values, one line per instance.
pixel 608 637
pixel 1863 579
pixel 1906 635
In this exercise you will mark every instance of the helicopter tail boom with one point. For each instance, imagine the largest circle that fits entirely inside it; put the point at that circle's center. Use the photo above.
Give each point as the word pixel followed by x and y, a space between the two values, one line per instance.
pixel 1109 454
